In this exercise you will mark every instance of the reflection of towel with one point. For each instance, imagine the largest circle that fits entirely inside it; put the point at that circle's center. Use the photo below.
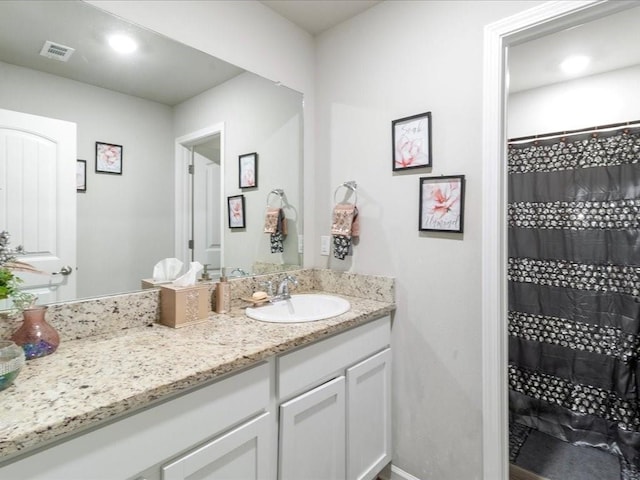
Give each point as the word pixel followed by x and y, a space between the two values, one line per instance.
pixel 271 220
pixel 275 223
pixel 345 226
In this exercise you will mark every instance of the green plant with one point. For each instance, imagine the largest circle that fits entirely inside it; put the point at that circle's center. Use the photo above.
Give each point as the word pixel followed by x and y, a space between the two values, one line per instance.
pixel 9 281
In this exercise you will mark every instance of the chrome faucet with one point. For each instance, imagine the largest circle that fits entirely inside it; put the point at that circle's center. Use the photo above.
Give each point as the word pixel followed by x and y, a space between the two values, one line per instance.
pixel 283 288
pixel 240 272
pixel 269 286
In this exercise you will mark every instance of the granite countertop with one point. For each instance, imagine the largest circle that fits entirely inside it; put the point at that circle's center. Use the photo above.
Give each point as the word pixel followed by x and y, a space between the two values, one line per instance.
pixel 91 380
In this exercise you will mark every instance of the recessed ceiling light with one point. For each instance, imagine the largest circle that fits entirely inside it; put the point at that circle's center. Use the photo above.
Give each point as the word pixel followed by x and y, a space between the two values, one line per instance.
pixel 575 64
pixel 122 43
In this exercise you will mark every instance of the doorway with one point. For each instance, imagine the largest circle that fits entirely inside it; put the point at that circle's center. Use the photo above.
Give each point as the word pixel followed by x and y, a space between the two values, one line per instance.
pixel 199 193
pixel 534 23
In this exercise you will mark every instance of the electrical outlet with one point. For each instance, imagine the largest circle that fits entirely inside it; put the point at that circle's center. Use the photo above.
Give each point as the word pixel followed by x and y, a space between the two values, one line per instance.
pixel 325 245
pixel 300 244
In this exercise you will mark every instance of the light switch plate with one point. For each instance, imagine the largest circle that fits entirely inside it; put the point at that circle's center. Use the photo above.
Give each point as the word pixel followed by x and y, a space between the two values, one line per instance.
pixel 325 245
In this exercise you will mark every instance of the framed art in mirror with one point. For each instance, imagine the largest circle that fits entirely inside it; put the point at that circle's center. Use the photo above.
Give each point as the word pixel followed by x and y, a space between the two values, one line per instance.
pixel 108 158
pixel 236 211
pixel 81 176
pixel 248 170
pixel 411 140
pixel 442 204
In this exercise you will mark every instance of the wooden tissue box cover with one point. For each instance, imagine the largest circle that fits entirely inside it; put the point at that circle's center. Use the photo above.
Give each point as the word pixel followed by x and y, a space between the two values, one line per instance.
pixel 151 283
pixel 182 306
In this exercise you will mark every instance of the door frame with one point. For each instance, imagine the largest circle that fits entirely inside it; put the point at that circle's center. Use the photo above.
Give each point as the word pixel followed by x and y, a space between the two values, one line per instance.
pixel 182 188
pixel 530 24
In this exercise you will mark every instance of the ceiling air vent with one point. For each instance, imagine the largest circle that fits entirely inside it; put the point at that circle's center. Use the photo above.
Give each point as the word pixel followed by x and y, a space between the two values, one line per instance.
pixel 56 51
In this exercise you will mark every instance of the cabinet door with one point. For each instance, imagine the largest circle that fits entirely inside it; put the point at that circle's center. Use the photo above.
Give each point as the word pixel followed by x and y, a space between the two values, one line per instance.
pixel 241 454
pixel 369 416
pixel 312 434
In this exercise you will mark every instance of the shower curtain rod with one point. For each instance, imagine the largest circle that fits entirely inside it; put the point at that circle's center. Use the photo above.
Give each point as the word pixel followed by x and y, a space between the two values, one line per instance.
pixel 594 130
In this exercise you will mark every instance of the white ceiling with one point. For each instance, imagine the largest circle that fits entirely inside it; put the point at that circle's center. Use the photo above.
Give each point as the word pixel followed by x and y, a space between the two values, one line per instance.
pixel 612 42
pixel 168 72
pixel 161 70
pixel 316 16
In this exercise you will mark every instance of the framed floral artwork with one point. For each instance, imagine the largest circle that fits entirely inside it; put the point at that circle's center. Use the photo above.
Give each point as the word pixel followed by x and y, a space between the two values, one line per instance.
pixel 411 140
pixel 108 158
pixel 248 168
pixel 442 204
pixel 236 211
pixel 81 176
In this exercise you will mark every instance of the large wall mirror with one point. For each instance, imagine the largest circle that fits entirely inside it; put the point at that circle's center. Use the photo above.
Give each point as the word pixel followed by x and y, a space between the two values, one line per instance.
pixel 167 108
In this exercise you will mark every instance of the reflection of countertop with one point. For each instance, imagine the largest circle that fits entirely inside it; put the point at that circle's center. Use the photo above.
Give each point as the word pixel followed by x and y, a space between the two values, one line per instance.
pixel 94 379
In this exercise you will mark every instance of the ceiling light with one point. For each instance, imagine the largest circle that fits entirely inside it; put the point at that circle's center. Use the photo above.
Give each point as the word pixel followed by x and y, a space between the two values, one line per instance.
pixel 575 64
pixel 122 43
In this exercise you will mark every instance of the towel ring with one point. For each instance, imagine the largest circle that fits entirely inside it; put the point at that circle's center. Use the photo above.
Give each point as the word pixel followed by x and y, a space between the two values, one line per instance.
pixel 280 193
pixel 351 185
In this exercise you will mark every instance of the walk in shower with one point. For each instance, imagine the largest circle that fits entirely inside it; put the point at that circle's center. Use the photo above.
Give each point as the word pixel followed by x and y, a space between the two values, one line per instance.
pixel 574 290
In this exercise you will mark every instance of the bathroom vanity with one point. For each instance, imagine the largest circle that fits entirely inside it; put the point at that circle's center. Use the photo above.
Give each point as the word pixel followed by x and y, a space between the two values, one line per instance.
pixel 229 398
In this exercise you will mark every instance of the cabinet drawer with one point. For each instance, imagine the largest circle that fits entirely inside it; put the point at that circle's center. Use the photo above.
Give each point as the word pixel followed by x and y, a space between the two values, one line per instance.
pixel 241 453
pixel 303 369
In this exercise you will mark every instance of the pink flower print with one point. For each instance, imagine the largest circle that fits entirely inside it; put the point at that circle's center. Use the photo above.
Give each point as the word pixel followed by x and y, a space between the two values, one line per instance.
pixel 248 178
pixel 408 152
pixel 445 199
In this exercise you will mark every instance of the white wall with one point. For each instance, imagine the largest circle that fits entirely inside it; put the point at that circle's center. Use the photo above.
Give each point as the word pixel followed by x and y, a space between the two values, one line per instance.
pixel 397 59
pixel 258 117
pixel 127 218
pixel 247 34
pixel 583 103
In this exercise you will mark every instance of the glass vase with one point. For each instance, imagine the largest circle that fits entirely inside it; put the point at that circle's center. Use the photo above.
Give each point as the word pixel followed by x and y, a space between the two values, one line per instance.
pixel 36 337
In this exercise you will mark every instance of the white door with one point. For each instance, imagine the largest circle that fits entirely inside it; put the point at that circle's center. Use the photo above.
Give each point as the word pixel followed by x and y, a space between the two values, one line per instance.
pixel 206 206
pixel 241 454
pixel 369 416
pixel 38 199
pixel 312 434
pixel 206 236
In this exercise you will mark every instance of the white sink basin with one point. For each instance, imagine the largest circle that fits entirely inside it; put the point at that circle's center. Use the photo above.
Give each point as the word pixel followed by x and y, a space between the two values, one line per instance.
pixel 301 308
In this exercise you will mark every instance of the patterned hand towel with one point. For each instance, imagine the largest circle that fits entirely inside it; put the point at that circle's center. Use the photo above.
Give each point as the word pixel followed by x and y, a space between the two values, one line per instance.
pixel 275 223
pixel 345 226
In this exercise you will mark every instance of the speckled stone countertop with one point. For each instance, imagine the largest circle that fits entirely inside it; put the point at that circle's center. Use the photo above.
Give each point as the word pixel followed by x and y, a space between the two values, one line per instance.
pixel 96 378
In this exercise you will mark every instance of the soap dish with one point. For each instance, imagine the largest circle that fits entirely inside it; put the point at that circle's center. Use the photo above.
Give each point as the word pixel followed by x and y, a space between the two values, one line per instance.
pixel 255 302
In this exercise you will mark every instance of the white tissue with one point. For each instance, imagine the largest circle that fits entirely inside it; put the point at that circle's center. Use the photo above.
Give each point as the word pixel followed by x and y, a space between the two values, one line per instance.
pixel 167 270
pixel 189 278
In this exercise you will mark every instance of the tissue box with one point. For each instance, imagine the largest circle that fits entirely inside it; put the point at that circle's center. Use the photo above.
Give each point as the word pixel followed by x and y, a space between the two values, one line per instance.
pixel 182 306
pixel 151 283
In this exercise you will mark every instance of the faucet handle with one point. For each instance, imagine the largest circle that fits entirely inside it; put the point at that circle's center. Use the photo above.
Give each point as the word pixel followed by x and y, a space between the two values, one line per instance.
pixel 268 284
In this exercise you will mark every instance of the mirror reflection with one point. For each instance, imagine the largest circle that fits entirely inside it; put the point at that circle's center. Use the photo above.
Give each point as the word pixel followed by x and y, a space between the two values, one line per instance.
pixel 171 110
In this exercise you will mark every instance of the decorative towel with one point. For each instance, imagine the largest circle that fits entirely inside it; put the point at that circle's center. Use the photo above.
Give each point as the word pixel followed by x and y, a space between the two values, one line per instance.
pixel 346 225
pixel 275 223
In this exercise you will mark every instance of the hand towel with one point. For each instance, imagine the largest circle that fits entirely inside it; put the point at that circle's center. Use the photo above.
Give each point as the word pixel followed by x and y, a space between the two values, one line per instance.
pixel 345 226
pixel 276 224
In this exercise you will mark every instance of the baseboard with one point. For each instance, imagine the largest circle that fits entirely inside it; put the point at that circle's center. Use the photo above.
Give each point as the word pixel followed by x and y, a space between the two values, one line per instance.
pixel 396 473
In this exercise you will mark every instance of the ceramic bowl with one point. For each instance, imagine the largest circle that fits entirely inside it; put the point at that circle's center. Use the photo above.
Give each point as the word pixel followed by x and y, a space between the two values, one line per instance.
pixel 12 359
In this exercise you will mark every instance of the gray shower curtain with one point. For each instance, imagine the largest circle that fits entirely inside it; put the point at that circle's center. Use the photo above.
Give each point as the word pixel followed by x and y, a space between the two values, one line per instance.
pixel 574 287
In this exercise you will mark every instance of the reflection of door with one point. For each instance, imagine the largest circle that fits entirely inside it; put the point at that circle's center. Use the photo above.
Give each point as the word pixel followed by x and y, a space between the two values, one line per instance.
pixel 206 203
pixel 38 207
pixel 199 197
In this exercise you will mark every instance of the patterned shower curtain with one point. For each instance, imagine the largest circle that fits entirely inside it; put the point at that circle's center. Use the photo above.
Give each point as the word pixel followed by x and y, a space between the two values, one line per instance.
pixel 574 288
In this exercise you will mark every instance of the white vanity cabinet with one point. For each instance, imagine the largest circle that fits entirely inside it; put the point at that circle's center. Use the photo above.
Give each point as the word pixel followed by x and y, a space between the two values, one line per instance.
pixel 320 412
pixel 335 421
pixel 221 419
